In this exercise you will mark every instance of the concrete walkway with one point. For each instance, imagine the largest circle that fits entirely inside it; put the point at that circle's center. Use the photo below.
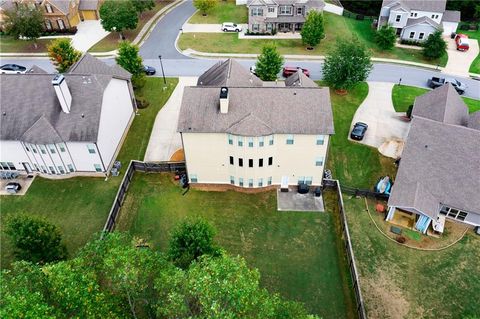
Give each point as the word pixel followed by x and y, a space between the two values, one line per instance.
pixel 203 28
pixel 88 33
pixel 459 62
pixel 164 139
pixel 386 130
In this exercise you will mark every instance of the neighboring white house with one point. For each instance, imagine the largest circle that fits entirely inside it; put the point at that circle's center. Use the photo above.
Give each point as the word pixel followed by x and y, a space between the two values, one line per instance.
pixel 241 131
pixel 439 173
pixel 416 19
pixel 56 124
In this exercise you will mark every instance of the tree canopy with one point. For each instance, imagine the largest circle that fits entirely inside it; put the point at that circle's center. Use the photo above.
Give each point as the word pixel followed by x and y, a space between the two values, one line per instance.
pixel 434 47
pixel 118 15
pixel 204 5
pixel 63 54
pixel 313 30
pixel 269 63
pixel 24 22
pixel 386 37
pixel 143 5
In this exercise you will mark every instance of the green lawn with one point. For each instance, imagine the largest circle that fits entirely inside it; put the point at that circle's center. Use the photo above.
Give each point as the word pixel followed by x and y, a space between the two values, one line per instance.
pixel 224 11
pixel 354 164
pixel 111 41
pixel 398 282
pixel 404 95
pixel 79 206
pixel 297 253
pixel 10 45
pixel 475 66
pixel 336 27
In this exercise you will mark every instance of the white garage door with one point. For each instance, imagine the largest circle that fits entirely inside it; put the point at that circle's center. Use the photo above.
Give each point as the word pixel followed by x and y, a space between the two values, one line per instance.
pixel 449 27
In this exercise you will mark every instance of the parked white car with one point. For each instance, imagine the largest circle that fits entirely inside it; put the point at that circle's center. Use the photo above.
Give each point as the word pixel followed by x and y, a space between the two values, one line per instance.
pixel 12 69
pixel 231 27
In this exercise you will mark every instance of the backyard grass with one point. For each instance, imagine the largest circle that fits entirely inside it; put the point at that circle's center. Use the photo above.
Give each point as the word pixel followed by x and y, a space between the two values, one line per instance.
pixel 398 282
pixel 9 45
pixel 296 252
pixel 224 11
pixel 336 28
pixel 403 96
pixel 111 41
pixel 354 164
pixel 79 206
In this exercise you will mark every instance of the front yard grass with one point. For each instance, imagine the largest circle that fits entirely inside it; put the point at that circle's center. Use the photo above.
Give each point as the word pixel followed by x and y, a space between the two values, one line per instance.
pixel 80 205
pixel 224 11
pixel 336 28
pixel 9 45
pixel 398 282
pixel 352 163
pixel 296 252
pixel 403 96
pixel 111 41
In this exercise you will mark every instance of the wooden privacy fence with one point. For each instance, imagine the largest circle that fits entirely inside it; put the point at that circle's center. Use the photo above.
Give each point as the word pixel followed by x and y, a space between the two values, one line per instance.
pixel 335 184
pixel 127 178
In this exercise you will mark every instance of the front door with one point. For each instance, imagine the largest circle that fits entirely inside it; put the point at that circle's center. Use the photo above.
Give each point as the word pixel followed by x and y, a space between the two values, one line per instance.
pixel 27 167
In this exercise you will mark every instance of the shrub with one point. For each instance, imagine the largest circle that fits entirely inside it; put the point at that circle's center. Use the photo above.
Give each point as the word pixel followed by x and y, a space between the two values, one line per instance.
pixel 411 42
pixel 434 47
pixel 386 37
pixel 142 103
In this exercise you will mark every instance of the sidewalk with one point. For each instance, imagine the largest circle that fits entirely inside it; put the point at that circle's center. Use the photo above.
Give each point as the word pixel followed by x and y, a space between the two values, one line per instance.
pixel 202 28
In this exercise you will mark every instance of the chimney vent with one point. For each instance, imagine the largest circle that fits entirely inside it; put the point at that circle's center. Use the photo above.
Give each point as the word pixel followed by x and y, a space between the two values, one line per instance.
pixel 224 100
pixel 63 93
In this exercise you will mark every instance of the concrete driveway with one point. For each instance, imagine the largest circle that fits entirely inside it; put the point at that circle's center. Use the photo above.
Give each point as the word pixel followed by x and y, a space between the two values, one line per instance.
pixel 459 62
pixel 209 28
pixel 164 139
pixel 88 33
pixel 386 131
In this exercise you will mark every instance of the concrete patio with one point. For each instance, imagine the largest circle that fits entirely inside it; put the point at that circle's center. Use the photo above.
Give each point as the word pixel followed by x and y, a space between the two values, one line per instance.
pixel 294 202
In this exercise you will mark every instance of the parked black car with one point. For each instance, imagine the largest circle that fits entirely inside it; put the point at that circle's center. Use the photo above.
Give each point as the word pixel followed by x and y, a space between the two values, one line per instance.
pixel 149 70
pixel 436 82
pixel 359 130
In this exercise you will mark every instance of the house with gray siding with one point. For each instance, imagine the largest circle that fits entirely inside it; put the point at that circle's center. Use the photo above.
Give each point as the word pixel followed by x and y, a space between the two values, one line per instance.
pixel 415 20
pixel 439 173
pixel 264 16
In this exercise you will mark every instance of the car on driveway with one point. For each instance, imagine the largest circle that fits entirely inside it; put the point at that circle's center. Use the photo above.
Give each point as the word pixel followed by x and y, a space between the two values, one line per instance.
pixel 12 69
pixel 462 43
pixel 13 187
pixel 149 70
pixel 289 70
pixel 231 27
pixel 359 130
pixel 436 82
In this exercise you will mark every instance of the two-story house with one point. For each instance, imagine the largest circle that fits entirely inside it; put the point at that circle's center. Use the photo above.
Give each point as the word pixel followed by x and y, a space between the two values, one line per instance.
pixel 264 16
pixel 65 124
pixel 439 173
pixel 240 132
pixel 415 20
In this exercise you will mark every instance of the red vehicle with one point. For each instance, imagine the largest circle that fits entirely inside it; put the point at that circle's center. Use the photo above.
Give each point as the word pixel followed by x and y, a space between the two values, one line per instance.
pixel 289 70
pixel 461 40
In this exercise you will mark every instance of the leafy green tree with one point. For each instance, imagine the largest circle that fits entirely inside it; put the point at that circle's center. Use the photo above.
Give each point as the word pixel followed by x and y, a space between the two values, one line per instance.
pixel 63 54
pixel 35 240
pixel 130 59
pixel 143 5
pixel 269 63
pixel 24 22
pixel 348 64
pixel 313 30
pixel 434 47
pixel 190 240
pixel 386 37
pixel 118 15
pixel 204 6
pixel 476 15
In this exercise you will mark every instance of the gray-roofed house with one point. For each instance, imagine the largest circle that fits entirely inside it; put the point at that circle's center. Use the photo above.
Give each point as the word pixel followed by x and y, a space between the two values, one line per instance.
pixel 239 133
pixel 415 20
pixel 264 16
pixel 65 123
pixel 439 173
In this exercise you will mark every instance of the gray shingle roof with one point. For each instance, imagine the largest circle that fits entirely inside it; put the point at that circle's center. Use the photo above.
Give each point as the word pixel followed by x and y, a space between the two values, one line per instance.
pixel 228 73
pixel 88 64
pixel 422 5
pixel 451 16
pixel 443 105
pixel 474 120
pixel 416 21
pixel 88 5
pixel 62 5
pixel 286 19
pixel 299 79
pixel 35 69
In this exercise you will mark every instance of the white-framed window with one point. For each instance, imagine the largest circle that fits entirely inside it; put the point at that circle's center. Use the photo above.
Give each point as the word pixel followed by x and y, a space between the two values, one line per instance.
pixel 271 9
pixel 70 168
pixel 231 160
pixel 299 11
pixel 269 180
pixel 43 150
pixel 301 179
pixel 91 148
pixel 3 165
pixel 250 162
pixel 240 181
pixel 52 169
pixel 232 180
pixel 308 180
pixel 398 18
pixel 61 170
pixel 11 166
pixel 453 213
pixel 319 161
pixel 48 24
pixel 230 139
pixel 255 27
pixel 193 178
pixel 260 162
pixel 36 167
pixel 240 140
pixel 320 139
pixel 51 147
pixel 61 146
pixel 434 16
pixel 48 7
pixel 34 148
pixel 240 162
pixel 260 182
pixel 270 140
pixel 290 139
pixel 97 167
pixel 421 35
pixel 412 35
pixel 61 24
pixel 250 182
pixel 250 142
pixel 254 12
pixel 43 169
pixel 270 161
pixel 285 10
pixel 269 27
pixel 261 141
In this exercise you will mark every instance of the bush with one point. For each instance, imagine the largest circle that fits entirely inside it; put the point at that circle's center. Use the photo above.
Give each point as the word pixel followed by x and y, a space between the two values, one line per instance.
pixel 401 239
pixel 138 81
pixel 434 47
pixel 386 37
pixel 411 42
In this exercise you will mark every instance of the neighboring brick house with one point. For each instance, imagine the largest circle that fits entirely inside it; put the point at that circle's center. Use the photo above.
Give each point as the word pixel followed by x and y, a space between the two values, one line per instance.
pixel 264 16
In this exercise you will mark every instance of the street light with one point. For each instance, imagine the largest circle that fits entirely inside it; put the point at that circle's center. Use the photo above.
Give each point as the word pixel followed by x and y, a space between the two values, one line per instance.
pixel 163 72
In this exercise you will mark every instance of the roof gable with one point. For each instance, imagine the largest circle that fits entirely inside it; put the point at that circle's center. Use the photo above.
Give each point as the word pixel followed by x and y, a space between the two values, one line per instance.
pixel 228 73
pixel 88 64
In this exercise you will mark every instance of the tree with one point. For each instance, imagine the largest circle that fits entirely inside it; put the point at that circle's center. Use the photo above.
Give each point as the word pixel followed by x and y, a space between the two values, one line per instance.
pixel 118 15
pixel 35 240
pixel 190 240
pixel 204 5
pixel 129 59
pixel 24 22
pixel 63 54
pixel 434 47
pixel 348 64
pixel 386 37
pixel 143 5
pixel 269 63
pixel 313 30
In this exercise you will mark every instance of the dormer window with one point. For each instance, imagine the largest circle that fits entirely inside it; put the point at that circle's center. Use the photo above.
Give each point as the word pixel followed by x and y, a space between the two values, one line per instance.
pixel 299 11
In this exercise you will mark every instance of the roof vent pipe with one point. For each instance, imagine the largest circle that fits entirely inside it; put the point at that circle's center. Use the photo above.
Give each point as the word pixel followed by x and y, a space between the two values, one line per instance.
pixel 63 93
pixel 224 100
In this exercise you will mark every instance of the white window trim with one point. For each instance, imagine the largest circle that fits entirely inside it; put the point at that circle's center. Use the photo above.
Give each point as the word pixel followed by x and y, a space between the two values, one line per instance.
pixel 398 18
pixel 410 37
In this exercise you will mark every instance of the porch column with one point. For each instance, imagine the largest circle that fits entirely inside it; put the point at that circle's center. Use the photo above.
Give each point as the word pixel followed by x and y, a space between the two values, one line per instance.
pixel 391 212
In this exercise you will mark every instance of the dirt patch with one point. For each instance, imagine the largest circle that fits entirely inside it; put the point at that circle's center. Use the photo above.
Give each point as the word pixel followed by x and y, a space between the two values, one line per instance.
pixel 178 156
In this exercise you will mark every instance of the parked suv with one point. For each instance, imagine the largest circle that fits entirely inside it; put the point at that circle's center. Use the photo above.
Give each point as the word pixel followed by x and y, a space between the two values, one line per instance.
pixel 461 40
pixel 231 27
